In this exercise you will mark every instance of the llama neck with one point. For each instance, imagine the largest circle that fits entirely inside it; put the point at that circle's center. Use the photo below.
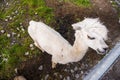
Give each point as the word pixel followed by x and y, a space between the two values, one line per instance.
pixel 79 48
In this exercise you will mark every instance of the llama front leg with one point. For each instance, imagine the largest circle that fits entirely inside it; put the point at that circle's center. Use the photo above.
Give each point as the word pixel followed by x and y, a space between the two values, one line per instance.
pixel 54 63
pixel 36 44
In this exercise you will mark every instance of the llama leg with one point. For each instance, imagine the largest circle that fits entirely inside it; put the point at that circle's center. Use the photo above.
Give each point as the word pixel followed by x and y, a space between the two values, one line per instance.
pixel 53 62
pixel 36 44
pixel 54 65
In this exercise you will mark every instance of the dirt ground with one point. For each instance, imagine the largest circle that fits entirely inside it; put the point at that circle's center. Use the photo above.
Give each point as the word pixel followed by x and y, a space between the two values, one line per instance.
pixel 114 71
pixel 65 14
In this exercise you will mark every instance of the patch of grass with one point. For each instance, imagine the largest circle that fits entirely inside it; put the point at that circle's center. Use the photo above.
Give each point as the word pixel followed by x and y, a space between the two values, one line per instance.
pixel 2 16
pixel 82 3
pixel 38 7
pixel 7 11
pixel 8 61
pixel 16 18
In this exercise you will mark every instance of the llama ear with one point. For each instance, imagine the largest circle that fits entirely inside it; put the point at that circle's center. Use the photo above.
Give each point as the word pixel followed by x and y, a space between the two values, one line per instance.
pixel 31 22
pixel 76 27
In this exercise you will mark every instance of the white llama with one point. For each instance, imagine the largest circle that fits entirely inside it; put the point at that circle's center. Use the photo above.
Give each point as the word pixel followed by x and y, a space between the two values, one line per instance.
pixel 88 33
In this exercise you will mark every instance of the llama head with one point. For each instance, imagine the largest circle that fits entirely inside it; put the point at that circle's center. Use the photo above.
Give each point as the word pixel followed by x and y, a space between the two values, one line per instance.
pixel 92 33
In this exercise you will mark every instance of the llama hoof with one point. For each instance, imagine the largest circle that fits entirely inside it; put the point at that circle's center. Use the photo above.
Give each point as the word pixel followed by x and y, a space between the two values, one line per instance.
pixel 20 78
pixel 53 65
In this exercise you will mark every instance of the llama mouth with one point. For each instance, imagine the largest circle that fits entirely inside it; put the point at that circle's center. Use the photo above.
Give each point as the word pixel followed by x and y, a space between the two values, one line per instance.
pixel 101 52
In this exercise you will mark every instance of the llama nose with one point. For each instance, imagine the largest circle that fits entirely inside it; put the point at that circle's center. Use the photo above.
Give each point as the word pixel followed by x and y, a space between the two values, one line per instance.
pixel 105 49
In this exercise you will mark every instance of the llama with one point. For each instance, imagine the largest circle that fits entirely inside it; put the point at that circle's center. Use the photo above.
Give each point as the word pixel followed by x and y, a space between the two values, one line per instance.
pixel 88 33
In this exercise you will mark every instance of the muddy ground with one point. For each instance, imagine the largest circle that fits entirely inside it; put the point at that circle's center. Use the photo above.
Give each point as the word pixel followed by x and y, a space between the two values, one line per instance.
pixel 39 68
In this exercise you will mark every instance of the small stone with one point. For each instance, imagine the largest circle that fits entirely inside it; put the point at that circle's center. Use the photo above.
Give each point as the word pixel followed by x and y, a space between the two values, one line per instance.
pixel 8 35
pixel 13 13
pixel 5 59
pixel 7 4
pixel 72 71
pixel 21 26
pixel 2 31
pixel 77 75
pixel 111 1
pixel 42 79
pixel 13 33
pixel 79 68
pixel 18 29
pixel 46 77
pixel 10 18
pixel 23 29
pixel 31 45
pixel 20 23
pixel 32 48
pixel 16 11
pixel 27 53
pixel 81 72
pixel 65 70
pixel 36 13
pixel 100 8
pixel 17 14
pixel 64 79
pixel 41 67
pixel 68 77
pixel 14 16
pixel 16 70
pixel 6 20
pixel 55 74
pixel 61 76
pixel 76 68
pixel 12 43
pixel 18 35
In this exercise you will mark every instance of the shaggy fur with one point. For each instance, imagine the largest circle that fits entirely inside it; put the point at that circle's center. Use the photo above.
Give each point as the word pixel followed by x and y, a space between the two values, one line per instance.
pixel 88 33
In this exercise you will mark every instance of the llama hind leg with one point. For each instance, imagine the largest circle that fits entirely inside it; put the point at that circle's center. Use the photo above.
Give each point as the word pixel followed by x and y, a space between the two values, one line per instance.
pixel 36 44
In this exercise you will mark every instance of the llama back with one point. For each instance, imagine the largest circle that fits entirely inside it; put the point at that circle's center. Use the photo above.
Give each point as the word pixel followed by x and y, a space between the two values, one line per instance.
pixel 49 40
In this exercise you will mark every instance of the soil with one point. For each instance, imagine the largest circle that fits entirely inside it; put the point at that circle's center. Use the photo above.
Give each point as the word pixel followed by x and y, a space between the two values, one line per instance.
pixel 39 68
pixel 114 72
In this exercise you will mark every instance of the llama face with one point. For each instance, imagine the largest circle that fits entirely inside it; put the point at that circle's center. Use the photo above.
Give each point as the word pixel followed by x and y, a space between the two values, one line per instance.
pixel 94 41
pixel 92 33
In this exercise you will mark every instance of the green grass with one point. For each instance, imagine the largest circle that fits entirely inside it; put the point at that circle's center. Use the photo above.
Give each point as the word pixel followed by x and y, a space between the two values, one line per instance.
pixel 12 54
pixel 81 3
pixel 39 8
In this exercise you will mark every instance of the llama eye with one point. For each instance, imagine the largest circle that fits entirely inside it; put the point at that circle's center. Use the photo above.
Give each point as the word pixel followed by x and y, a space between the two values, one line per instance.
pixel 92 38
